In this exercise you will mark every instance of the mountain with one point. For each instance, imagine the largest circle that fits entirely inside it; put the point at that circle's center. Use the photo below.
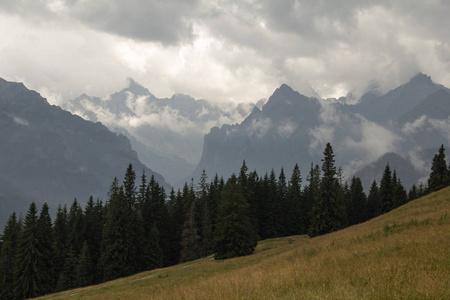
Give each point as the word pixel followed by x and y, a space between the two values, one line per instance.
pixel 167 133
pixel 405 127
pixel 49 155
pixel 266 139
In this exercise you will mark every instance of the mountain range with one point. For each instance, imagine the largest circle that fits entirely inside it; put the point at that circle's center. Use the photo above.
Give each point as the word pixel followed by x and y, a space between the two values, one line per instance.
pixel 49 155
pixel 52 155
pixel 167 133
pixel 403 127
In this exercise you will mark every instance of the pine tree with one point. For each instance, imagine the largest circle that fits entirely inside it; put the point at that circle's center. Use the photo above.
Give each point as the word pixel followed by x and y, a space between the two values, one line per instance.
pixel 358 202
pixel 413 193
pixel 28 282
pixel 281 205
pixel 134 241
pixel 234 232
pixel 154 253
pixel 92 234
pixel 328 213
pixel 294 213
pixel 75 227
pixel 176 217
pixel 69 276
pixel 439 176
pixel 373 201
pixel 310 193
pixel 8 251
pixel 117 246
pixel 190 244
pixel 47 248
pixel 85 270
pixel 400 196
pixel 386 191
pixel 60 230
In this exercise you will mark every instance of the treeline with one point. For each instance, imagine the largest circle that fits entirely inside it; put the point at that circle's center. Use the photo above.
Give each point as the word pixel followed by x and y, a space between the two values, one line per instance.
pixel 140 227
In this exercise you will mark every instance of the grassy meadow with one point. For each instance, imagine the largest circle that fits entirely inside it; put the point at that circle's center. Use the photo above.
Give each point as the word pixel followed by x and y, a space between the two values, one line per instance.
pixel 404 254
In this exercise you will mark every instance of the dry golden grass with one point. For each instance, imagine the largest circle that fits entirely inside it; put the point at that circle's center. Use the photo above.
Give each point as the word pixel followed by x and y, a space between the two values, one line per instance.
pixel 404 254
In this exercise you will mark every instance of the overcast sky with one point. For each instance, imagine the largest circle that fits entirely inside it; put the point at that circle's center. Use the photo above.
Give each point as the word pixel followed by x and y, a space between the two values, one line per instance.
pixel 239 50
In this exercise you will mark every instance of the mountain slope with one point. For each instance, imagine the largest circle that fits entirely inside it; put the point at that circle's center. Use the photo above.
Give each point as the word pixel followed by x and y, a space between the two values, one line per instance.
pixel 278 135
pixel 400 255
pixel 54 156
pixel 167 133
pixel 292 128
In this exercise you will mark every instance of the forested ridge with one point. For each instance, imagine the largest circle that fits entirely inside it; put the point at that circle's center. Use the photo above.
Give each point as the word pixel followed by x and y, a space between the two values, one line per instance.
pixel 141 227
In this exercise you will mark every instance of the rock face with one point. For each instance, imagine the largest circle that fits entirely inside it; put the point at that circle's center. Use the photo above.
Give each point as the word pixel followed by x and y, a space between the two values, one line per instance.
pixel 404 127
pixel 49 155
pixel 167 133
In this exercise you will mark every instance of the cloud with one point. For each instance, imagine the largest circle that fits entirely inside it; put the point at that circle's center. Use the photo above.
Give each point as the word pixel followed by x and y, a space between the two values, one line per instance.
pixel 20 121
pixel 259 127
pixel 222 50
pixel 354 138
pixel 286 128
pixel 424 123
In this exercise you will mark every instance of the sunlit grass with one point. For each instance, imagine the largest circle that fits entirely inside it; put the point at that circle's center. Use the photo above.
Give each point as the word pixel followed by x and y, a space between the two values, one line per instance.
pixel 404 254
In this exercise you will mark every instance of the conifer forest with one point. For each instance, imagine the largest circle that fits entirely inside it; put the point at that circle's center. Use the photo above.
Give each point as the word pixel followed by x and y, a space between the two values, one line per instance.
pixel 141 226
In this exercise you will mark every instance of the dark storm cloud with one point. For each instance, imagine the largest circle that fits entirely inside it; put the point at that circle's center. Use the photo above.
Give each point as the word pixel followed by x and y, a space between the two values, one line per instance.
pixel 227 49
pixel 168 22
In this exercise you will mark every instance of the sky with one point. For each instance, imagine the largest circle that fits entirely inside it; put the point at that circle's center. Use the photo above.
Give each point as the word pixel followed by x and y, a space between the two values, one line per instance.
pixel 226 50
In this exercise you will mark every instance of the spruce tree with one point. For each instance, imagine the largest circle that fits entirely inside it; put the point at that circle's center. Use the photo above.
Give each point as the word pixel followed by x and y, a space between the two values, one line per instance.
pixel 439 176
pixel 295 203
pixel 328 213
pixel 190 240
pixel 413 193
pixel 47 247
pixel 29 272
pixel 154 253
pixel 92 234
pixel 176 217
pixel 8 251
pixel 85 270
pixel 373 201
pixel 117 246
pixel 234 232
pixel 358 202
pixel 60 230
pixel 281 205
pixel 310 193
pixel 386 190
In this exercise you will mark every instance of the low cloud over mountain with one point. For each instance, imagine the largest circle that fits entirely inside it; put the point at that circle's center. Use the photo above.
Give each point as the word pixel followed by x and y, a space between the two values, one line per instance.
pixel 409 123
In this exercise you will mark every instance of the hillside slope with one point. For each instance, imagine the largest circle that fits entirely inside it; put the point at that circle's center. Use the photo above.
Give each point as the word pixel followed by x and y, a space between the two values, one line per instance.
pixel 52 156
pixel 402 254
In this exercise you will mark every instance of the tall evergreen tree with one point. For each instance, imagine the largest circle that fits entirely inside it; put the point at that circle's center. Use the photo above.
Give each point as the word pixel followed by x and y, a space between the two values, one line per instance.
pixel 29 272
pixel 400 194
pixel 358 202
pixel 373 201
pixel 117 246
pixel 85 270
pixel 92 235
pixel 60 229
pixel 75 227
pixel 8 251
pixel 439 176
pixel 294 213
pixel 328 213
pixel 176 216
pixel 234 232
pixel 386 190
pixel 47 248
pixel 310 193
pixel 190 240
pixel 281 205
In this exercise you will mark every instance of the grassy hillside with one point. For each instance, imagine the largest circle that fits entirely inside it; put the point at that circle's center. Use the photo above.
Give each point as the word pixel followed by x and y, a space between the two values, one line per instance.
pixel 403 254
